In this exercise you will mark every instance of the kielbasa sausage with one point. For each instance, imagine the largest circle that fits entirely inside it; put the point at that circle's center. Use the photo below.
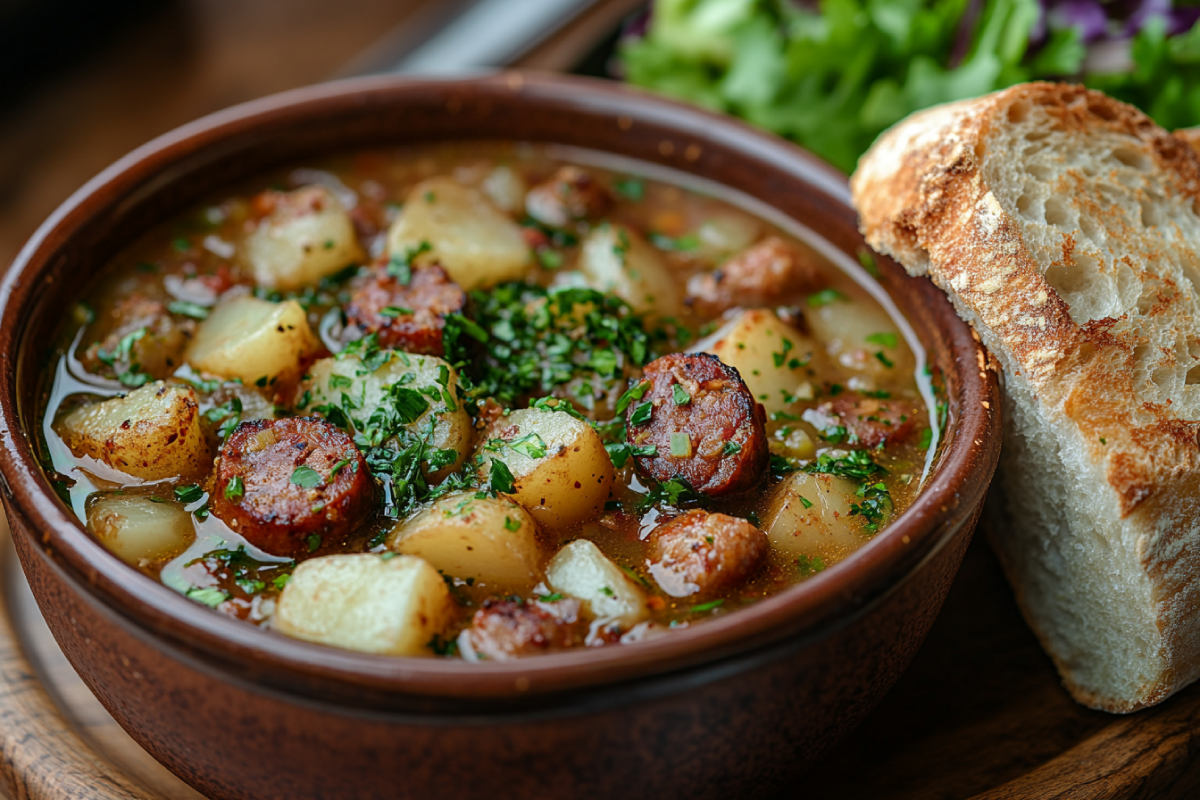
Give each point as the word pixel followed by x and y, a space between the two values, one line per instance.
pixel 760 275
pixel 704 424
pixel 699 553
pixel 291 485
pixel 569 195
pixel 407 315
pixel 505 629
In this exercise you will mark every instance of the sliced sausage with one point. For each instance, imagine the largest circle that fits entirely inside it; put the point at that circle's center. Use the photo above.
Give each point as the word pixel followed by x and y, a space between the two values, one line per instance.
pixel 759 275
pixel 505 629
pixel 410 315
pixel 713 420
pixel 571 194
pixel 699 553
pixel 303 484
pixel 869 421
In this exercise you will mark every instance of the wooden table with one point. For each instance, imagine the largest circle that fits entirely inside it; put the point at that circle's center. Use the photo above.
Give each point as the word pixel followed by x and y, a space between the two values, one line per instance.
pixel 979 714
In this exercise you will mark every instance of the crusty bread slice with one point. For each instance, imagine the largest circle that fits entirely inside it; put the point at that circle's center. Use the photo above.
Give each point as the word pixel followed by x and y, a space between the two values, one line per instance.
pixel 1065 227
pixel 1191 136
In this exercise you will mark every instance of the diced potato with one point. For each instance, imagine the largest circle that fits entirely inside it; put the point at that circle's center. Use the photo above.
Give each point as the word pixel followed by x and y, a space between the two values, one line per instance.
pixel 561 471
pixel 152 433
pixel 307 236
pixel 253 340
pixel 432 378
pixel 822 526
pixel 492 541
pixel 135 528
pixel 473 241
pixel 861 336
pixel 617 259
pixel 772 357
pixel 387 604
pixel 581 571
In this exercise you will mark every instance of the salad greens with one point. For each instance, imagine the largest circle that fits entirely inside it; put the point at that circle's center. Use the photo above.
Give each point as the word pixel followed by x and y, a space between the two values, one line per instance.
pixel 833 74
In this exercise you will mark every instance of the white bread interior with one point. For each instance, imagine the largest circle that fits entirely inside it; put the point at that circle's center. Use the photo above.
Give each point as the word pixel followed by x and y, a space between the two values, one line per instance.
pixel 1065 227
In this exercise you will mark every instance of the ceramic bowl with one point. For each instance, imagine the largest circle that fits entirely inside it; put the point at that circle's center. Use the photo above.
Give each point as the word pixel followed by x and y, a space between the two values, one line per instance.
pixel 736 706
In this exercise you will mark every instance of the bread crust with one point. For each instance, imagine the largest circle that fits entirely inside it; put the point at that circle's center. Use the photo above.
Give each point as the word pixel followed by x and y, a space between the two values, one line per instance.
pixel 924 196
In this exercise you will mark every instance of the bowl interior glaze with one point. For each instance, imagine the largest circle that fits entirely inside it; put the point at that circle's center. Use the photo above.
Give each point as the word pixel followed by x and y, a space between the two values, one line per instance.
pixel 179 169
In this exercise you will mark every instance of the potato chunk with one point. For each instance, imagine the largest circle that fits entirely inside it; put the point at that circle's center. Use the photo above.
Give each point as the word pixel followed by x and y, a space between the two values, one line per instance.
pixel 253 340
pixel 306 236
pixel 474 242
pixel 135 528
pixel 405 382
pixel 810 516
pixel 152 433
pixel 387 604
pixel 772 357
pixel 561 471
pixel 581 571
pixel 860 336
pixel 617 259
pixel 491 541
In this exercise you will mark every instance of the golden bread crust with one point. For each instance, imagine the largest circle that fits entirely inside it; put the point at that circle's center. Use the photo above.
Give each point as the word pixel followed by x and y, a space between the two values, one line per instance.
pixel 927 193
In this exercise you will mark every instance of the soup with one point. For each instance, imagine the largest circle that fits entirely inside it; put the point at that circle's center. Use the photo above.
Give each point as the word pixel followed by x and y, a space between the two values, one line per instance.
pixel 482 401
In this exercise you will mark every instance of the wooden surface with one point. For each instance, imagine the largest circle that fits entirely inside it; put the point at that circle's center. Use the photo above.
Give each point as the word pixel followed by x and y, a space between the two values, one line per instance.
pixel 979 714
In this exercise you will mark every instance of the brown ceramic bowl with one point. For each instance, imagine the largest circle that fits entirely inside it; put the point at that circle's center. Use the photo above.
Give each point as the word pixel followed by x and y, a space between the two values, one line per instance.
pixel 732 707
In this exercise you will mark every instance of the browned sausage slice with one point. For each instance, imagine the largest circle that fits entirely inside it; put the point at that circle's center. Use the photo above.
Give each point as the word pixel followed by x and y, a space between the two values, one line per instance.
pixel 869 421
pixel 504 629
pixel 407 315
pixel 706 427
pixel 699 553
pixel 762 274
pixel 570 194
pixel 291 485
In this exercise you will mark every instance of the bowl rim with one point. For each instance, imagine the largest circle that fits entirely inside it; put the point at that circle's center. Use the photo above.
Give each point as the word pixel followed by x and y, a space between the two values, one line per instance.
pixel 956 489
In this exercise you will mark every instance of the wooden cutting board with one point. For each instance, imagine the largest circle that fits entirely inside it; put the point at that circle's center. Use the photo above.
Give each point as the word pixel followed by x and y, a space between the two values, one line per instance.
pixel 979 714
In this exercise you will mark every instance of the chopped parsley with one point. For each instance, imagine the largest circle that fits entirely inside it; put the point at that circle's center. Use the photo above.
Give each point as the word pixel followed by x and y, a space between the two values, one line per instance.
pixel 526 340
pixel 635 392
pixel 548 258
pixel 675 493
pixel 500 478
pixel 709 606
pixel 630 188
pixel 620 452
pixel 186 309
pixel 825 297
pixel 883 339
pixel 641 414
pixel 306 477
pixel 809 565
pixel 684 243
pixel 235 489
pixel 400 264
pixel 210 596
pixel 189 493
